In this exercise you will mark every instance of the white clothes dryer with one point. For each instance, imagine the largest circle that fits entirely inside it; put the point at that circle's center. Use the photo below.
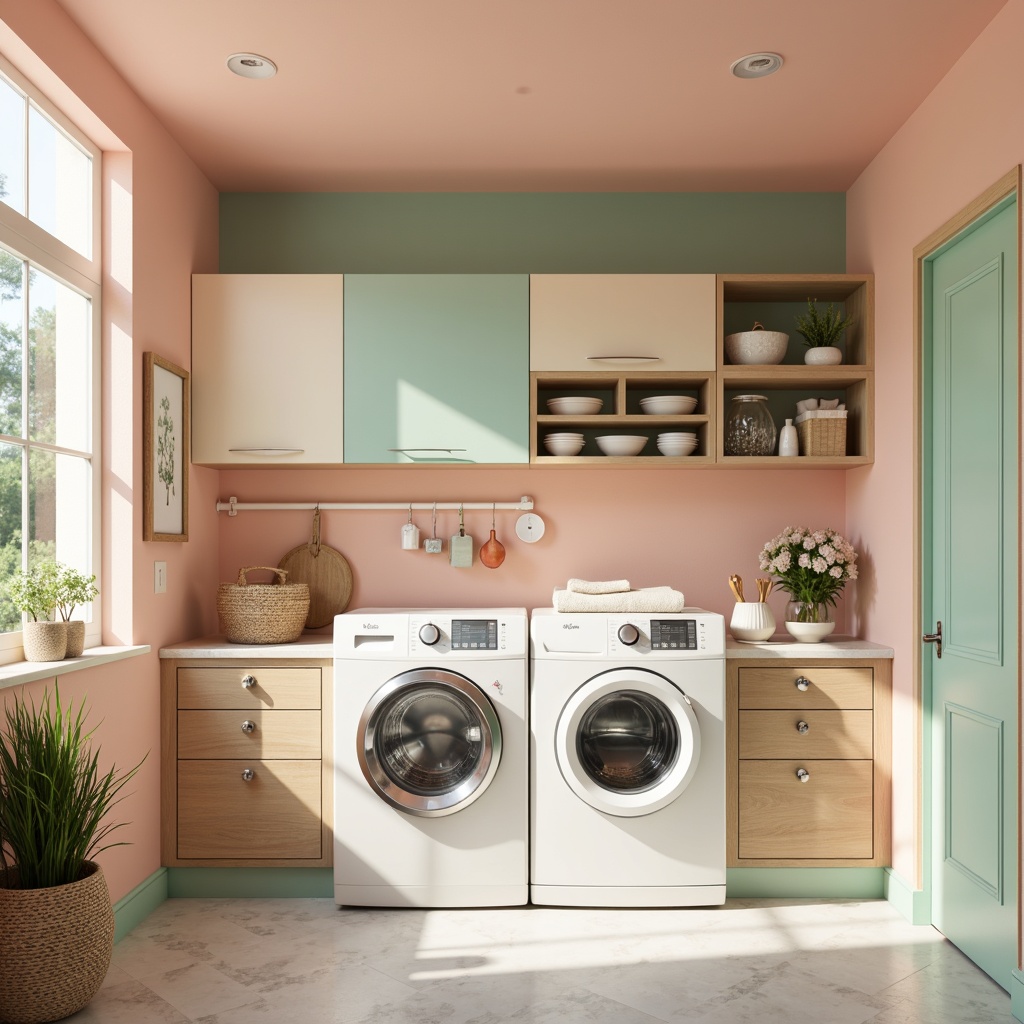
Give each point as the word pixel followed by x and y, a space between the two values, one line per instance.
pixel 627 759
pixel 431 789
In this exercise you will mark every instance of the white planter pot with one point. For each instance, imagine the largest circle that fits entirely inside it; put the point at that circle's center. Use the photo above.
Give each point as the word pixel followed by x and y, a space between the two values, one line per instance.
pixel 824 355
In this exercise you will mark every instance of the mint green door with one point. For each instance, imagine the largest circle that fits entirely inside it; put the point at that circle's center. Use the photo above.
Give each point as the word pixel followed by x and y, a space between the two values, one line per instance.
pixel 437 368
pixel 971 585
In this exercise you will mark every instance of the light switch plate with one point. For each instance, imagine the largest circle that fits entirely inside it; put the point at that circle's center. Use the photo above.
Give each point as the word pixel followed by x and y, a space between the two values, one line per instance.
pixel 159 577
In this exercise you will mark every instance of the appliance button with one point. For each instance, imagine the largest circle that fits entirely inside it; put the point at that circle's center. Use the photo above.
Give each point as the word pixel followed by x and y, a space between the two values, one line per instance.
pixel 628 634
pixel 429 634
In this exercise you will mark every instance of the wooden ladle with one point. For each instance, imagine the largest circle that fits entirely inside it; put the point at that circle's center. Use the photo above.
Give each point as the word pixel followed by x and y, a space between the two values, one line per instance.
pixel 492 553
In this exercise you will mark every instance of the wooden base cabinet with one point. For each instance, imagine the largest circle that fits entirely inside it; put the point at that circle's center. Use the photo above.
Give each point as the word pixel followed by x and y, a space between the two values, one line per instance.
pixel 808 778
pixel 246 763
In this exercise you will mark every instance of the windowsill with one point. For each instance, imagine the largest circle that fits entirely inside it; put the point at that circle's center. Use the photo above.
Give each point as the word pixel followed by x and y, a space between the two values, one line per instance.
pixel 20 672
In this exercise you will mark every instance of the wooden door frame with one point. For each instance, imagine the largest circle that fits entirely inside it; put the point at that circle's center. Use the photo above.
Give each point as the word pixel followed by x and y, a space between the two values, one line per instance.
pixel 1006 186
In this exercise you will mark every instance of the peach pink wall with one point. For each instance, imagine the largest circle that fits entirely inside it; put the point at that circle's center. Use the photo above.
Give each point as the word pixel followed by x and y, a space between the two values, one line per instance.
pixel 966 135
pixel 160 226
pixel 688 529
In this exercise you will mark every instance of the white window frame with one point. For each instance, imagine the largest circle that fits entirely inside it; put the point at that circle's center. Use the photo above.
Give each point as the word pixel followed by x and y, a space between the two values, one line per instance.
pixel 83 273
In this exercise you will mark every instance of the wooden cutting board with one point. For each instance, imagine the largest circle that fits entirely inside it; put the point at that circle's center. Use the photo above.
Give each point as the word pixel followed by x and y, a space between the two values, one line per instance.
pixel 325 571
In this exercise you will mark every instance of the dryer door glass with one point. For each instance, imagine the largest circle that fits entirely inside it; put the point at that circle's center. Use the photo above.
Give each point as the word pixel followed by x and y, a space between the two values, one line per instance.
pixel 429 742
pixel 628 741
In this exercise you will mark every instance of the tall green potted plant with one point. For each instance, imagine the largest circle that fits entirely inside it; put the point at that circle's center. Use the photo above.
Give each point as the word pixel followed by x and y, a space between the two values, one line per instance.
pixel 73 589
pixel 821 333
pixel 34 591
pixel 57 932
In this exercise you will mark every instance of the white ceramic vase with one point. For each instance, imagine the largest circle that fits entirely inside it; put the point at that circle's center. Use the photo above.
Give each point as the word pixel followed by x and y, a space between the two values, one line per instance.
pixel 823 355
pixel 752 620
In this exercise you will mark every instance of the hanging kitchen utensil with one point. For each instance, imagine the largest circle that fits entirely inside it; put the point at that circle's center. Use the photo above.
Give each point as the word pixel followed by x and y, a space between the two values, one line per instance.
pixel 460 547
pixel 325 571
pixel 492 554
pixel 736 586
pixel 410 534
pixel 433 544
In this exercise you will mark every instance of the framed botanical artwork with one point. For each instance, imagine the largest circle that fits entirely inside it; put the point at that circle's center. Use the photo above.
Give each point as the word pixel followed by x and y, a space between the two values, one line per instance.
pixel 165 449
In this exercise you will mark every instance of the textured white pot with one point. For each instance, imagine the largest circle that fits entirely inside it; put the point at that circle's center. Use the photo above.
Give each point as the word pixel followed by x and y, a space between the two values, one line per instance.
pixel 45 641
pixel 824 355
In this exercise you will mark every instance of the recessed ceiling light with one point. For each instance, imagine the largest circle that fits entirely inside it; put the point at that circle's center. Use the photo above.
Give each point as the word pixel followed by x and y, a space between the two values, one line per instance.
pixel 252 65
pixel 756 65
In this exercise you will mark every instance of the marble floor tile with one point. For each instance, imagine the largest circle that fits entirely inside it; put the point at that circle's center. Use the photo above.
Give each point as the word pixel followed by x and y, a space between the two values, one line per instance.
pixel 304 961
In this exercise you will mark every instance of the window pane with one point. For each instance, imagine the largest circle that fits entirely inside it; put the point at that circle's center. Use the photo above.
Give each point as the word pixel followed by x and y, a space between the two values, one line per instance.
pixel 10 529
pixel 11 327
pixel 12 146
pixel 59 184
pixel 59 359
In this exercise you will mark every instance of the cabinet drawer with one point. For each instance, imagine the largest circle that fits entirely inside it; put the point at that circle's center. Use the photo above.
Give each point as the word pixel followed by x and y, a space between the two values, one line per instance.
pixel 275 734
pixel 828 734
pixel 829 816
pixel 828 688
pixel 666 320
pixel 275 815
pixel 278 688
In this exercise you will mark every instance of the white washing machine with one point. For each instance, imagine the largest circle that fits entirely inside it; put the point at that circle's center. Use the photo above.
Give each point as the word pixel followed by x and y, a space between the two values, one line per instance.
pixel 431 785
pixel 627 727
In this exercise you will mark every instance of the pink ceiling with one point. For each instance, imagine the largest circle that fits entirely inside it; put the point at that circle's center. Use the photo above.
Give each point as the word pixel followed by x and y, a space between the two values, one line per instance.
pixel 549 95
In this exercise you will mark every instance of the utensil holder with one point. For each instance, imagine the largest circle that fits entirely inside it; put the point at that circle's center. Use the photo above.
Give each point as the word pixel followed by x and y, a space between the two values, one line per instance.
pixel 752 620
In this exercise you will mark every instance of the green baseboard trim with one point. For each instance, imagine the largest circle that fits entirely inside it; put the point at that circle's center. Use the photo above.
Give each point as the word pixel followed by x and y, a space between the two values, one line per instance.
pixel 914 904
pixel 269 883
pixel 134 908
pixel 1017 994
pixel 805 883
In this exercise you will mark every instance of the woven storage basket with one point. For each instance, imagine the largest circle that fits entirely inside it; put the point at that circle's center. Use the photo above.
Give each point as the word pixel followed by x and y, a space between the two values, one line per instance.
pixel 55 947
pixel 262 613
pixel 822 435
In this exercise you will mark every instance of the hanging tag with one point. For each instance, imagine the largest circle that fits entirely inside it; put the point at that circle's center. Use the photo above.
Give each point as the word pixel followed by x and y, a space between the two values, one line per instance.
pixel 410 535
pixel 460 547
pixel 433 544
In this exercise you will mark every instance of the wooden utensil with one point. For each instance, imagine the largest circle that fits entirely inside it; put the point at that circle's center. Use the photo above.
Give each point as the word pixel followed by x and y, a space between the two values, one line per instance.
pixel 492 554
pixel 736 586
pixel 764 588
pixel 325 571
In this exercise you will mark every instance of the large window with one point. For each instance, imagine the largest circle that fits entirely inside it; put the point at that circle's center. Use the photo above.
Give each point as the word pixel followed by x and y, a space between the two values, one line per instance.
pixel 49 344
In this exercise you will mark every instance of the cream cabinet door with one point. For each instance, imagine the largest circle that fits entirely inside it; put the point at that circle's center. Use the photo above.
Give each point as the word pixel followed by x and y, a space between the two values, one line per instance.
pixel 267 359
pixel 622 321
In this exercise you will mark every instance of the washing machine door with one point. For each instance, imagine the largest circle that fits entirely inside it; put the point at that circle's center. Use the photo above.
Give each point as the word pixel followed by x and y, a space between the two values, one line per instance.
pixel 429 742
pixel 627 742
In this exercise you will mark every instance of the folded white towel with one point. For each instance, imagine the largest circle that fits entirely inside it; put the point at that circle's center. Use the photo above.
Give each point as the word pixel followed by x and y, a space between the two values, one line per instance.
pixel 649 599
pixel 597 587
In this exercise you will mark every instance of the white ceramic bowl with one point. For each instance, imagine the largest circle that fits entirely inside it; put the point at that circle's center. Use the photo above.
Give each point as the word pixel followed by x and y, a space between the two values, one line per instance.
pixel 678 435
pixel 621 444
pixel 563 445
pixel 668 405
pixel 676 450
pixel 750 347
pixel 809 632
pixel 575 405
pixel 566 435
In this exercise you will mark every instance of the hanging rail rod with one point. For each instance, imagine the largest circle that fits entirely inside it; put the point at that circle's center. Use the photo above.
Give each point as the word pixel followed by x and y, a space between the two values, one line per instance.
pixel 233 506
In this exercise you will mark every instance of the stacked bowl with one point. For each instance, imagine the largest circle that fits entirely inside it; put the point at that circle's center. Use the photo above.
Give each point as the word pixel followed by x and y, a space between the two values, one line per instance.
pixel 574 405
pixel 668 405
pixel 565 443
pixel 682 442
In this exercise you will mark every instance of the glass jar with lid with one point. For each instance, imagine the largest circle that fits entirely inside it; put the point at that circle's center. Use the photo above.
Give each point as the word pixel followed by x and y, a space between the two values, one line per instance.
pixel 749 427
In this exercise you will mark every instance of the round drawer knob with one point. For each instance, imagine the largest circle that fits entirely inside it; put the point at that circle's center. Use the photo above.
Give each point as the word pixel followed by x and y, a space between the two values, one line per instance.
pixel 801 727
pixel 803 683
pixel 248 682
pixel 803 775
pixel 248 726
pixel 248 774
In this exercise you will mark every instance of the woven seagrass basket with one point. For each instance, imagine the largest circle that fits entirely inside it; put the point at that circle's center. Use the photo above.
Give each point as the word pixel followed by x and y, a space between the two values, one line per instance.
pixel 262 613
pixel 55 946
pixel 822 436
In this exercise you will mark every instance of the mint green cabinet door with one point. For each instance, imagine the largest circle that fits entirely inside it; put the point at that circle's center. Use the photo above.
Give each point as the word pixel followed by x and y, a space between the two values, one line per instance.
pixel 437 368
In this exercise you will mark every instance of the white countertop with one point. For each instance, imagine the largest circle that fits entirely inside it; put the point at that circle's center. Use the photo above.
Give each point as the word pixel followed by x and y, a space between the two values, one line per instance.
pixel 783 646
pixel 315 645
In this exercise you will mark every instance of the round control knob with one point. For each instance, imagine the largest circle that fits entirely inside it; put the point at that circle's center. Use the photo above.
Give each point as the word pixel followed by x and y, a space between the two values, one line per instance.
pixel 248 774
pixel 803 683
pixel 803 775
pixel 248 726
pixel 429 634
pixel 248 682
pixel 628 634
pixel 802 727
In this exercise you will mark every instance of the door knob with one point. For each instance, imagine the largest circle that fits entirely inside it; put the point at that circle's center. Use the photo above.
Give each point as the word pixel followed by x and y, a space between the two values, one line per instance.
pixel 248 682
pixel 935 638
pixel 248 726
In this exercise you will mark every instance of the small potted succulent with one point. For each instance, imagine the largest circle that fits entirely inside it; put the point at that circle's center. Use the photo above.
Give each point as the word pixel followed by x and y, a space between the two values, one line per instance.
pixel 34 592
pixel 74 589
pixel 821 333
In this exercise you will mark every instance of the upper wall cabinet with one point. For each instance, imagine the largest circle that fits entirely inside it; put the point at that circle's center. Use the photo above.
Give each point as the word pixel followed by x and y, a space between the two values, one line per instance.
pixel 606 322
pixel 267 369
pixel 437 368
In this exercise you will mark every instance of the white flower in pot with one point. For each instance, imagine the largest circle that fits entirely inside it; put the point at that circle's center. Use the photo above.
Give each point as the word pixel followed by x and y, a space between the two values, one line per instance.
pixel 34 592
pixel 74 589
pixel 821 333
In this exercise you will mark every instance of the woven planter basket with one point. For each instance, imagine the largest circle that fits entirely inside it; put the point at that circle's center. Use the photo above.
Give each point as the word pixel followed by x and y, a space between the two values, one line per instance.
pixel 76 638
pixel 45 641
pixel 822 435
pixel 55 947
pixel 262 613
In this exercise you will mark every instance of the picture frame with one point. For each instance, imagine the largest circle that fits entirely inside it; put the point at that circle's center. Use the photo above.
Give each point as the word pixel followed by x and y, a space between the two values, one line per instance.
pixel 165 449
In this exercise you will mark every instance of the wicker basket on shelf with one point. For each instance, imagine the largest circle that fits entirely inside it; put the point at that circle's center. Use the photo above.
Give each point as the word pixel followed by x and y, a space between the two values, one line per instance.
pixel 822 432
pixel 262 613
